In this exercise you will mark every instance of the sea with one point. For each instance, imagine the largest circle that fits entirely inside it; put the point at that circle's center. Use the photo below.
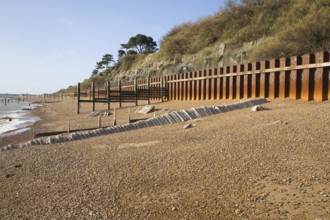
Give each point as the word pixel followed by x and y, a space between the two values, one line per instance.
pixel 15 116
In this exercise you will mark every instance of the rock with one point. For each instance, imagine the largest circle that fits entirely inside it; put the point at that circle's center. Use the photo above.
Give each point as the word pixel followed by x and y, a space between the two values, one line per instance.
pixel 188 126
pixel 145 109
pixel 259 108
pixel 100 113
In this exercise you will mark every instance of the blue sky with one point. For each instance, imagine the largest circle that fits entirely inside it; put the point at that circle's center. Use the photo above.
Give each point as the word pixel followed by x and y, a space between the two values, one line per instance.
pixel 46 45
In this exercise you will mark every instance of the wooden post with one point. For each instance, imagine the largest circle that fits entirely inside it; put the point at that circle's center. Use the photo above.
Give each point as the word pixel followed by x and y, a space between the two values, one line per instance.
pixel 114 117
pixel 99 122
pixel 306 87
pixel 119 89
pixel 93 95
pixel 321 78
pixel 108 94
pixel 148 89
pixel 213 81
pixel 136 91
pixel 162 88
pixel 78 98
pixel 5 101
pixel 129 115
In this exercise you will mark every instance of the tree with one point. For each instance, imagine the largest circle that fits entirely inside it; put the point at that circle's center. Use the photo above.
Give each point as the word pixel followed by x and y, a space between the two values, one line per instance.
pixel 103 65
pixel 106 60
pixel 141 44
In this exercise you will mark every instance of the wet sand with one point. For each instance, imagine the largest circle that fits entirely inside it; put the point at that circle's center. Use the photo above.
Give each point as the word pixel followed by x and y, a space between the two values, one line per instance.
pixel 272 164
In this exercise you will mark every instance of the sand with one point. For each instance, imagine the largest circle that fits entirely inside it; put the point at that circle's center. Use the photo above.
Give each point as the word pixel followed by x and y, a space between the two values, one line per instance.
pixel 272 164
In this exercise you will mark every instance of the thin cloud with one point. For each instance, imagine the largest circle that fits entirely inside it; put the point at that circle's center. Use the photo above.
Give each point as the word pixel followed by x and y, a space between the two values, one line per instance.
pixel 67 21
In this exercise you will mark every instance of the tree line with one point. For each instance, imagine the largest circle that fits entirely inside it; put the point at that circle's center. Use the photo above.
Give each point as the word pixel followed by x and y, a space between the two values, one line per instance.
pixel 136 45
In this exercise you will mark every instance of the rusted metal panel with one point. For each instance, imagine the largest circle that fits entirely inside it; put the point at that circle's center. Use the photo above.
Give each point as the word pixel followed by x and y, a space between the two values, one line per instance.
pixel 254 81
pixel 283 86
pixel 189 75
pixel 272 80
pixel 293 79
pixel 224 84
pixel 239 82
pixel 246 81
pixel 194 86
pixel 213 86
pixel 320 79
pixel 305 80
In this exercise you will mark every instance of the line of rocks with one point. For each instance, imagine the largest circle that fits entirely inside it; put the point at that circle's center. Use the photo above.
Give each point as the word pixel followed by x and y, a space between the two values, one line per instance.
pixel 167 118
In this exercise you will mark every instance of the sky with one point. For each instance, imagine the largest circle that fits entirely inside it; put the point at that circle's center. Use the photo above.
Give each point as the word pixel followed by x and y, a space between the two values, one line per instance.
pixel 48 45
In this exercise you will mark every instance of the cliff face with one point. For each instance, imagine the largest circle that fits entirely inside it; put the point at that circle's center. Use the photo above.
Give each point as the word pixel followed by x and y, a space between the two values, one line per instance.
pixel 250 30
pixel 219 55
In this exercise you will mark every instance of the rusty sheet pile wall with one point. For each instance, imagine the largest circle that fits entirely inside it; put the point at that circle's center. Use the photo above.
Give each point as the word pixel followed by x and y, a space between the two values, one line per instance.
pixel 299 77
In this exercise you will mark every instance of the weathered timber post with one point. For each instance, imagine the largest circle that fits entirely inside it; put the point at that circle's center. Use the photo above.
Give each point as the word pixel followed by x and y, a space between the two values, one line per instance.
pixel 148 89
pixel 162 88
pixel 99 122
pixel 78 99
pixel 136 91
pixel 93 96
pixel 108 94
pixel 114 117
pixel 119 88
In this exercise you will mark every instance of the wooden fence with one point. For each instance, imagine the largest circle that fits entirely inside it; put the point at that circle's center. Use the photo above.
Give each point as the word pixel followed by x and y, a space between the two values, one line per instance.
pixel 304 77
pixel 129 91
pixel 299 77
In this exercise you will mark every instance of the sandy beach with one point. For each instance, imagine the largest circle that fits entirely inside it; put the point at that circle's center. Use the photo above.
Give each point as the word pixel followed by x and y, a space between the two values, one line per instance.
pixel 272 164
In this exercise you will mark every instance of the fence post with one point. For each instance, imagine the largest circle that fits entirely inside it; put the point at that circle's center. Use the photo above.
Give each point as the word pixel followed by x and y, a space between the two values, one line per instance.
pixel 136 91
pixel 307 80
pixel 119 88
pixel 78 98
pixel 108 94
pixel 93 95
pixel 272 80
pixel 148 89
pixel 162 88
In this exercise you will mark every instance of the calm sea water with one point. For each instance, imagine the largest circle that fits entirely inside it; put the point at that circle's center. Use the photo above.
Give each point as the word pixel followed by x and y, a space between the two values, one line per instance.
pixel 15 116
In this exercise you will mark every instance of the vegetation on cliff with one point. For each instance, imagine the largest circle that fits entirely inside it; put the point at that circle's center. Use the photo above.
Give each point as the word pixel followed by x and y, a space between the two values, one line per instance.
pixel 242 31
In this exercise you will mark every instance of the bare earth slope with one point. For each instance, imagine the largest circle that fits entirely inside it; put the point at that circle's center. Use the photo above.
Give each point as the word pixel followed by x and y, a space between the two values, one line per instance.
pixel 238 165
